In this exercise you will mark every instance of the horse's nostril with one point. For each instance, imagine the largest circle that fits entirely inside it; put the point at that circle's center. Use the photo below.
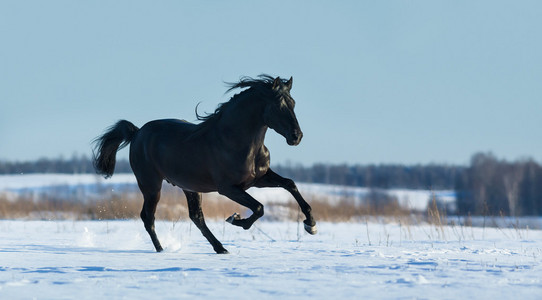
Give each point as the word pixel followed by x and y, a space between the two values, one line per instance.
pixel 297 135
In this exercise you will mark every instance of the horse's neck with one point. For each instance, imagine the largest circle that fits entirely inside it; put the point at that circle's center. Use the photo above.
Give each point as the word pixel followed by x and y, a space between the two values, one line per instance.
pixel 243 123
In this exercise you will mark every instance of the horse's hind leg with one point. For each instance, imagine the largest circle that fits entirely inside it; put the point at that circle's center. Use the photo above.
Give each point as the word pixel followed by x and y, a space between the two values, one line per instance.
pixel 147 215
pixel 196 215
pixel 151 196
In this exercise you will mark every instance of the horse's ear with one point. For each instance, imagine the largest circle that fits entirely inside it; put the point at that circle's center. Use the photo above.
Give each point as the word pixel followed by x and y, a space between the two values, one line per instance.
pixel 289 83
pixel 276 83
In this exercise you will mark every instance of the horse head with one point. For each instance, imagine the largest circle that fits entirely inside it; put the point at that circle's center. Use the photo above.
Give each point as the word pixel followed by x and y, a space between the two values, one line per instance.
pixel 279 112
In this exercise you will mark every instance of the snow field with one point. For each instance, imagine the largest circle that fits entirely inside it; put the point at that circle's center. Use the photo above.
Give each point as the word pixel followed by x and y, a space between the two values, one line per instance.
pixel 373 260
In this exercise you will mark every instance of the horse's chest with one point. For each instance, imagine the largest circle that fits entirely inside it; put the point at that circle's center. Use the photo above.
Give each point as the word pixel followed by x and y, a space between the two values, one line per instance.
pixel 254 167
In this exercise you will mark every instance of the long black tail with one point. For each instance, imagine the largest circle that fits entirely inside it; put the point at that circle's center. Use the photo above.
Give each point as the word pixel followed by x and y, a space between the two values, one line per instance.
pixel 106 146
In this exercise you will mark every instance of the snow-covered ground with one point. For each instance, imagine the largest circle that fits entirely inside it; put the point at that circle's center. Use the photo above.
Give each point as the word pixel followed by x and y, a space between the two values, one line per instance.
pixel 90 185
pixel 375 259
pixel 115 259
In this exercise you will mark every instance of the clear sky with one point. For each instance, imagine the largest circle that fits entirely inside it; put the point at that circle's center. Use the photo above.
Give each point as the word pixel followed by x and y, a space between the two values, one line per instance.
pixel 374 81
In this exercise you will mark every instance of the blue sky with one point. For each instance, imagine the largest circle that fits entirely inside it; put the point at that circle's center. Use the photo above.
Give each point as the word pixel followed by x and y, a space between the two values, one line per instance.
pixel 374 81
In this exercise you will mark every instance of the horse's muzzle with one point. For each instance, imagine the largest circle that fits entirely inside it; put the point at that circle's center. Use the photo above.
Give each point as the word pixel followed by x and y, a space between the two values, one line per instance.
pixel 295 138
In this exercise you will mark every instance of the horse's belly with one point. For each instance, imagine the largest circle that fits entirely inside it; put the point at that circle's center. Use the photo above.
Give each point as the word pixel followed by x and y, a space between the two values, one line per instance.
pixel 193 186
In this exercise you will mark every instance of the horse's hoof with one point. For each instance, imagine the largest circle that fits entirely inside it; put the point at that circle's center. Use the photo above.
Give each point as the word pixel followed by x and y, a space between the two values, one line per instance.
pixel 233 217
pixel 310 229
pixel 222 251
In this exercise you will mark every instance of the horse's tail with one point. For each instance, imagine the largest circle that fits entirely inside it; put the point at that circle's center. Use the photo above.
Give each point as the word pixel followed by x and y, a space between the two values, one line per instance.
pixel 106 146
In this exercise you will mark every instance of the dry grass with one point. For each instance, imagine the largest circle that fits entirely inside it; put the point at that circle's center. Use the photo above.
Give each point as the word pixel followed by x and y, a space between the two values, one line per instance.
pixel 436 217
pixel 173 207
pixel 344 210
pixel 127 205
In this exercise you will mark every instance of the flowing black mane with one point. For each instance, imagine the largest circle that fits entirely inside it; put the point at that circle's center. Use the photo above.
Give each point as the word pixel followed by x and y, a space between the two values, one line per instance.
pixel 264 81
pixel 262 84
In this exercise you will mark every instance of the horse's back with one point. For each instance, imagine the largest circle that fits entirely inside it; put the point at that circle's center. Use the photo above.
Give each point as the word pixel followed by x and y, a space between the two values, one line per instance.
pixel 165 130
pixel 168 124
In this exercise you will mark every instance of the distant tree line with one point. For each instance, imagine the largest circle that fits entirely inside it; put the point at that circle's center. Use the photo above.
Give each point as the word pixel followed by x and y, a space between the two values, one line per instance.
pixel 376 176
pixel 373 176
pixel 74 165
pixel 488 186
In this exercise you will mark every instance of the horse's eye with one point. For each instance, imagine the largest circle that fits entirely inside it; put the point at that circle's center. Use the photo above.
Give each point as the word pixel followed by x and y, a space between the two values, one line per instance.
pixel 289 103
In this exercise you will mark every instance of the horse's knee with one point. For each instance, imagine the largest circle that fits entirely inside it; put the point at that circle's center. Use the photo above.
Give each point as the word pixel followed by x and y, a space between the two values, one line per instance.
pixel 289 184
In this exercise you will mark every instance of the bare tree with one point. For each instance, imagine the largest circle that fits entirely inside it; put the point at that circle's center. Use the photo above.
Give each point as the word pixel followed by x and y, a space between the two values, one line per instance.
pixel 512 178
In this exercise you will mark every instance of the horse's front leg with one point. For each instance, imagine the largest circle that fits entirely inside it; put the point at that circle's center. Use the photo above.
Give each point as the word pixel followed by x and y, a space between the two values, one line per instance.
pixel 240 196
pixel 272 179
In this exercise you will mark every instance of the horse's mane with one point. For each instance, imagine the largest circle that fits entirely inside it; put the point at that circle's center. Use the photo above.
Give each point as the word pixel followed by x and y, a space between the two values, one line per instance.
pixel 264 81
pixel 261 84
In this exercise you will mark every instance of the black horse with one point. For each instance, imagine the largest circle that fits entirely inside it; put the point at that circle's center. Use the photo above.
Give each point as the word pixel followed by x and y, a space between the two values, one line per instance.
pixel 224 153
